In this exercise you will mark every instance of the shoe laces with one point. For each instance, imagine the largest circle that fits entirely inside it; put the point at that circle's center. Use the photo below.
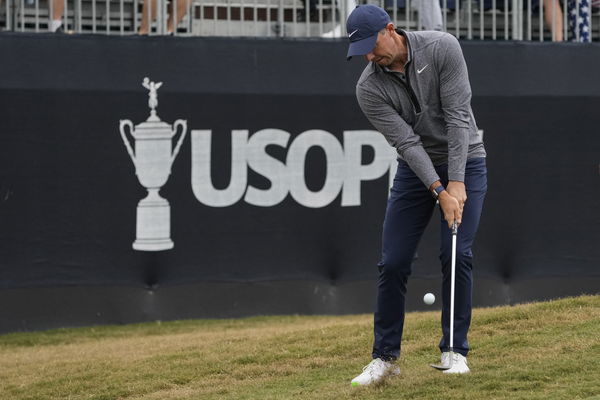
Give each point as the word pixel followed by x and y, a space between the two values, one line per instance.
pixel 457 357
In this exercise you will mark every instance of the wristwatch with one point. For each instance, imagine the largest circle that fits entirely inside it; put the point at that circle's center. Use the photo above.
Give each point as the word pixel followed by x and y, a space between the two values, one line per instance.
pixel 436 192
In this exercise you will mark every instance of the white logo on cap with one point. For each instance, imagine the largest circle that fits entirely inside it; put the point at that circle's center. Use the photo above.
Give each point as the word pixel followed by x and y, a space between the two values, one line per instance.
pixel 350 35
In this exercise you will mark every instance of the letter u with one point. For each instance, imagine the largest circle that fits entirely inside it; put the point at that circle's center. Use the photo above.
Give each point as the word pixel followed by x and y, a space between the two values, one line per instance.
pixel 202 185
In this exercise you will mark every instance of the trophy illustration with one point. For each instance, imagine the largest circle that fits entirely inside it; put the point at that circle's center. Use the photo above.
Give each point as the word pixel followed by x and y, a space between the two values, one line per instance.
pixel 153 158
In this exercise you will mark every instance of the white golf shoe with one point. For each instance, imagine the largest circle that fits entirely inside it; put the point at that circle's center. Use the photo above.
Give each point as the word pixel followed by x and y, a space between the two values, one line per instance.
pixel 459 363
pixel 375 371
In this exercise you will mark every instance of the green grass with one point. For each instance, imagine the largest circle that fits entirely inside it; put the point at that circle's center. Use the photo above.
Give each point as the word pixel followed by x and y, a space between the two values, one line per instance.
pixel 546 351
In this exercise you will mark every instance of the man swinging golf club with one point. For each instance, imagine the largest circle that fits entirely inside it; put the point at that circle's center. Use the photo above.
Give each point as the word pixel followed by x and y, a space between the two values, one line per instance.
pixel 415 90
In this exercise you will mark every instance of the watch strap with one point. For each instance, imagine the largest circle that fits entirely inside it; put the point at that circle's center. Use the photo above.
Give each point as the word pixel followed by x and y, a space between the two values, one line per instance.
pixel 436 192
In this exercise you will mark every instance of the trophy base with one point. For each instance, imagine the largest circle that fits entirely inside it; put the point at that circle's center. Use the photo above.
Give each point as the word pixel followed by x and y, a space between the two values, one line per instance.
pixel 153 244
pixel 153 223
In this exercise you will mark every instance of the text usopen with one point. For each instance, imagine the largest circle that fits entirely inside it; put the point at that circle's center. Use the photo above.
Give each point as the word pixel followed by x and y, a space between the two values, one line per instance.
pixel 345 170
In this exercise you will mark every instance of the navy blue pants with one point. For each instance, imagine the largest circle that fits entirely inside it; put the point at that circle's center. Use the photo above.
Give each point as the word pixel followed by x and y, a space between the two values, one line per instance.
pixel 409 209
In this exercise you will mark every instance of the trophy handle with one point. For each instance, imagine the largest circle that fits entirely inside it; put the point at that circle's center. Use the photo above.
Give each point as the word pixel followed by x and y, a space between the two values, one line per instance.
pixel 122 124
pixel 183 124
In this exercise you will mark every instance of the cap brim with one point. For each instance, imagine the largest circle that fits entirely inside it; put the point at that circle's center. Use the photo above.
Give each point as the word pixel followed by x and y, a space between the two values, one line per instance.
pixel 361 47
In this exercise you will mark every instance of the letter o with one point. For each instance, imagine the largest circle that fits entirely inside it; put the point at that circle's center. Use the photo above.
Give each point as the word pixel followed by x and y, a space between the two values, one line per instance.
pixel 296 159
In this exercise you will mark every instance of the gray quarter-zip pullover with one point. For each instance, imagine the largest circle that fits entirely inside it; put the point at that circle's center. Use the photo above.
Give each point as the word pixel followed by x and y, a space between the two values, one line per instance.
pixel 425 112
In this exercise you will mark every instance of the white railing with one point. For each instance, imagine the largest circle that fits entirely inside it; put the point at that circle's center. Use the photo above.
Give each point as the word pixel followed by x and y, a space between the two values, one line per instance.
pixel 539 20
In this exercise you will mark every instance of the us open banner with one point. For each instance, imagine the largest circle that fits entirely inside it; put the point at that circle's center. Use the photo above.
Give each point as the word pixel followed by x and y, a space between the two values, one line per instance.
pixel 153 156
pixel 163 178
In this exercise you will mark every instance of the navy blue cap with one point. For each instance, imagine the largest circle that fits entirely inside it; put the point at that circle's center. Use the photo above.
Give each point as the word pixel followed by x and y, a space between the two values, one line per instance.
pixel 363 25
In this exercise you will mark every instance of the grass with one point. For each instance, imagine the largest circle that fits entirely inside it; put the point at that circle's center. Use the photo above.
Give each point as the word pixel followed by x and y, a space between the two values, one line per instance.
pixel 548 350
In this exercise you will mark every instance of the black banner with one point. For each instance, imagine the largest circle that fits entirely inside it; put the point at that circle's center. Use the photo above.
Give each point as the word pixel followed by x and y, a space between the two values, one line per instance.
pixel 275 198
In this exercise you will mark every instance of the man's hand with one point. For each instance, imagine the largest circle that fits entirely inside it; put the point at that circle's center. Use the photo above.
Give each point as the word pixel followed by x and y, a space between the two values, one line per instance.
pixel 457 190
pixel 451 208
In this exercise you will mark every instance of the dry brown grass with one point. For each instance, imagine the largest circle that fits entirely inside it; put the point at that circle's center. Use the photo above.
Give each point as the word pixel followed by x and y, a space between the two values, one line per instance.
pixel 534 351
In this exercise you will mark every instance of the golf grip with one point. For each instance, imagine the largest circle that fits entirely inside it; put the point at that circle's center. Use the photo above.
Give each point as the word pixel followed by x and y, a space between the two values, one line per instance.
pixel 452 279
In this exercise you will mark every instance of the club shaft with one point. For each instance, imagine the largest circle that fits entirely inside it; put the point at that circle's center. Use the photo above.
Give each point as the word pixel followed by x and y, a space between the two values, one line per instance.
pixel 452 280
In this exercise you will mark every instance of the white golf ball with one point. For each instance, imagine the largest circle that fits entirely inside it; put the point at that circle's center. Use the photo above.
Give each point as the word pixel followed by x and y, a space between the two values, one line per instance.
pixel 429 299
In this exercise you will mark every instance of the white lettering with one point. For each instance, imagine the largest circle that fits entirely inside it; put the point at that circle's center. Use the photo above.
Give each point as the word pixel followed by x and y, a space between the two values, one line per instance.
pixel 384 159
pixel 202 185
pixel 344 169
pixel 269 167
pixel 335 168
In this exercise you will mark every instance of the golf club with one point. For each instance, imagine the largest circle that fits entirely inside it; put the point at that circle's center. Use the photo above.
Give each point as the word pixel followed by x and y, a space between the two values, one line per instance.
pixel 452 278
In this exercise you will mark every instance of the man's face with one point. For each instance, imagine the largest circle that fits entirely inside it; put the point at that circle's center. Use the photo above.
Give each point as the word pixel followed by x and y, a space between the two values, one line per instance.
pixel 384 51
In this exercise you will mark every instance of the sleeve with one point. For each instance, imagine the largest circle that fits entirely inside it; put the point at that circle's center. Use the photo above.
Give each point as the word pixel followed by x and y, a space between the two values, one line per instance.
pixel 398 133
pixel 455 96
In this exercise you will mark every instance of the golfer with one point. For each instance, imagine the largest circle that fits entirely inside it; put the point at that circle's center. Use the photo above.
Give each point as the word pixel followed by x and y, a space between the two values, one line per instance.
pixel 415 91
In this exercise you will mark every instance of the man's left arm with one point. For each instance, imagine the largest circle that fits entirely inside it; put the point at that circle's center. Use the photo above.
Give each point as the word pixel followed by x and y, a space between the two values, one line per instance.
pixel 455 96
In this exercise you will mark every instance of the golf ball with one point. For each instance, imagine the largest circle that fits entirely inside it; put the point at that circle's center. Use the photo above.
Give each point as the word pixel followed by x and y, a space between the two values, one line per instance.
pixel 429 299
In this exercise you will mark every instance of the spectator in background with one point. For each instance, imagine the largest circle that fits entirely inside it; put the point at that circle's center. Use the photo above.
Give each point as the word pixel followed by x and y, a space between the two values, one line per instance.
pixel 553 17
pixel 579 20
pixel 337 31
pixel 553 13
pixel 56 9
pixel 429 11
pixel 150 7
pixel 430 15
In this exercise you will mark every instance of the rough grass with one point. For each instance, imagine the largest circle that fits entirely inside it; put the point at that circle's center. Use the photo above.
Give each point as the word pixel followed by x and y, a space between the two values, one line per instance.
pixel 547 350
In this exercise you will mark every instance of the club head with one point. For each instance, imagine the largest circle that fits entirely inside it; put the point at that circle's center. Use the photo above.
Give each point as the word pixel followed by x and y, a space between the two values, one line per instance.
pixel 444 367
pixel 440 367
